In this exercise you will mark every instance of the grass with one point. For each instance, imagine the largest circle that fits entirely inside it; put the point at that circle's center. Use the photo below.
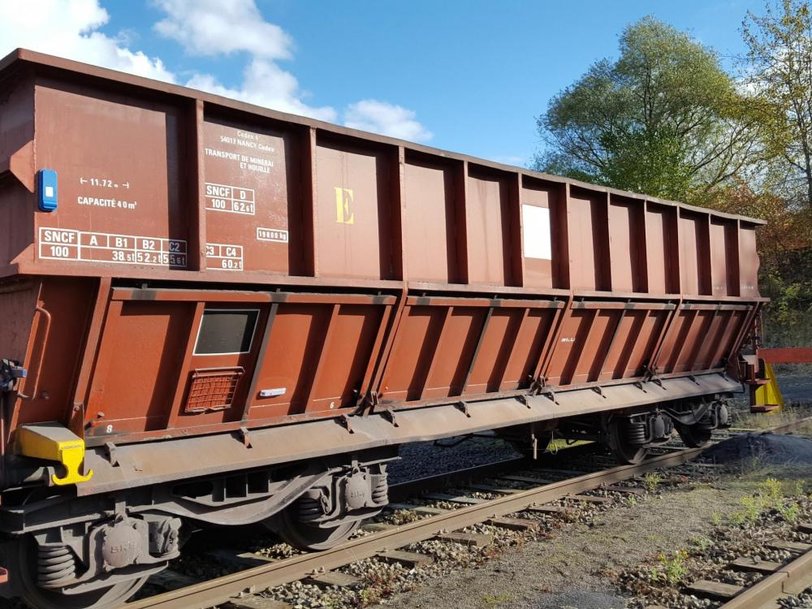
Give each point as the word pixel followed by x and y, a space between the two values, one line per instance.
pixel 771 495
pixel 788 414
pixel 671 568
pixel 652 481
pixel 701 544
pixel 557 444
pixel 496 599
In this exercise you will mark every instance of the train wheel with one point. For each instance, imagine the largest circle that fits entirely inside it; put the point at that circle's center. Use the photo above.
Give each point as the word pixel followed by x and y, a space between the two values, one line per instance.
pixel 39 598
pixel 311 537
pixel 695 436
pixel 626 452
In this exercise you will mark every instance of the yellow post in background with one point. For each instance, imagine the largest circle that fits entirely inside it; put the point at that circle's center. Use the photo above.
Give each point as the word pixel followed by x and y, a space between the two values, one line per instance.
pixel 768 395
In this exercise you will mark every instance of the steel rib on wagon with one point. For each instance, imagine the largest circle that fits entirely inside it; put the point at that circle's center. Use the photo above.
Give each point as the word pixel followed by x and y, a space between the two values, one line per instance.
pixel 218 313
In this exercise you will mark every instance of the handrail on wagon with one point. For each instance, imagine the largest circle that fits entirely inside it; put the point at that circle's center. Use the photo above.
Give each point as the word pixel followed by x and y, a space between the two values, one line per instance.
pixel 46 334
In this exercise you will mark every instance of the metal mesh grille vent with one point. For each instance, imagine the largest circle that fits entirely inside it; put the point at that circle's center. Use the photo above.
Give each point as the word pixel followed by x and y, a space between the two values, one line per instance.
pixel 213 389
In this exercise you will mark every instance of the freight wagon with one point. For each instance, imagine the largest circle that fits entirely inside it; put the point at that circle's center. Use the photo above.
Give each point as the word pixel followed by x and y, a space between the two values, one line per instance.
pixel 219 314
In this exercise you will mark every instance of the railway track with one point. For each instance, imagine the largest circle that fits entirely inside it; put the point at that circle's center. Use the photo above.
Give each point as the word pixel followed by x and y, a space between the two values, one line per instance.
pixel 275 573
pixel 781 582
pixel 242 588
pixel 772 583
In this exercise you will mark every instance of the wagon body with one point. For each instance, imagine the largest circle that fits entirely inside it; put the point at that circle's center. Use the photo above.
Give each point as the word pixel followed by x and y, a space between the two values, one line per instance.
pixel 212 266
pixel 179 270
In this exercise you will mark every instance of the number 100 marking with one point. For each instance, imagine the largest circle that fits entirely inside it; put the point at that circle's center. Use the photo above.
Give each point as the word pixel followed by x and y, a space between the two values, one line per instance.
pixel 60 251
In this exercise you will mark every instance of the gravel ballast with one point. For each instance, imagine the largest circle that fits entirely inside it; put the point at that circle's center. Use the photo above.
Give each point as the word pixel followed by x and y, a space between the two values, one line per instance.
pixel 762 448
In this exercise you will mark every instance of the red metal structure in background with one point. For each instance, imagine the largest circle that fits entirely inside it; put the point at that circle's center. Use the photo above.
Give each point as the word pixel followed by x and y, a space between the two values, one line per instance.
pixel 786 355
pixel 223 314
pixel 765 393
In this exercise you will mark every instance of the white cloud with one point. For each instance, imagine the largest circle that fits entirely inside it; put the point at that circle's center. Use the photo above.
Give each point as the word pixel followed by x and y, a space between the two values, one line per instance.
pixel 70 29
pixel 265 84
pixel 387 119
pixel 223 27
pixel 214 27
pixel 508 159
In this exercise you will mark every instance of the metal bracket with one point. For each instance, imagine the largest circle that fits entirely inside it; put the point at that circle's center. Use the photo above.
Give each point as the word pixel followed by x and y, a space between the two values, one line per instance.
pixel 550 395
pixel 367 403
pixel 10 372
pixel 597 389
pixel 389 415
pixel 344 421
pixel 537 384
pixel 639 385
pixel 463 407
pixel 524 400
pixel 112 453
pixel 245 436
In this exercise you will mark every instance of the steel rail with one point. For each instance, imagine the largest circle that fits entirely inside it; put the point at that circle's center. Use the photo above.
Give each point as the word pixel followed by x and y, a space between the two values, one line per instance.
pixel 222 589
pixel 785 427
pixel 791 579
pixel 408 488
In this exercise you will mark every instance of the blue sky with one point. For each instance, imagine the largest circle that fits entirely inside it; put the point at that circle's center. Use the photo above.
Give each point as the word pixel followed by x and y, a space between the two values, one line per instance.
pixel 469 76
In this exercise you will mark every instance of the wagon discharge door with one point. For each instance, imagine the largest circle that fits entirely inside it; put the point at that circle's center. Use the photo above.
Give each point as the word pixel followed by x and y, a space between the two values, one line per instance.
pixel 221 363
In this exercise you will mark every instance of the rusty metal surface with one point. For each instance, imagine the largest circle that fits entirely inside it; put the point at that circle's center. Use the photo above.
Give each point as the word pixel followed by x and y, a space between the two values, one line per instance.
pixel 219 590
pixel 175 459
pixel 368 273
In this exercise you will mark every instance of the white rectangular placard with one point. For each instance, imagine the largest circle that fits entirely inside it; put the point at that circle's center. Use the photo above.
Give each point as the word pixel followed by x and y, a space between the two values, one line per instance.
pixel 538 242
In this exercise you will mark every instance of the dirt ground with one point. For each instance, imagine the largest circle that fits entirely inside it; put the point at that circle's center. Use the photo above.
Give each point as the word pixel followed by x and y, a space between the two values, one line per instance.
pixel 569 570
pixel 572 570
pixel 795 382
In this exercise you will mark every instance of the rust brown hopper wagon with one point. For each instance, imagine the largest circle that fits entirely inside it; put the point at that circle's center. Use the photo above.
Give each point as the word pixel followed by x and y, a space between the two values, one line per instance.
pixel 218 313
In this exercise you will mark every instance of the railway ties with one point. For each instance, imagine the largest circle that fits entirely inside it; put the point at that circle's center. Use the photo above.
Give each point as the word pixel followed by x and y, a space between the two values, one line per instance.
pixel 444 525
pixel 522 497
pixel 781 580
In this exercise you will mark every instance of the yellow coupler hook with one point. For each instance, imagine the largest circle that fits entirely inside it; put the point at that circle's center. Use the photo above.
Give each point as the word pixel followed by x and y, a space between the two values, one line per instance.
pixel 55 442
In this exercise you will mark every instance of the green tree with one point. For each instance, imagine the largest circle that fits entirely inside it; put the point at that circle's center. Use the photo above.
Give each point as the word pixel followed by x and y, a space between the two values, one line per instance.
pixel 780 73
pixel 663 119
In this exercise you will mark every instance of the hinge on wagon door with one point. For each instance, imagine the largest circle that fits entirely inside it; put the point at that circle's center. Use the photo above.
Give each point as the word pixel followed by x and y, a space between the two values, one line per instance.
pixel 369 401
pixel 10 372
pixel 650 374
pixel 537 385
pixel 540 387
